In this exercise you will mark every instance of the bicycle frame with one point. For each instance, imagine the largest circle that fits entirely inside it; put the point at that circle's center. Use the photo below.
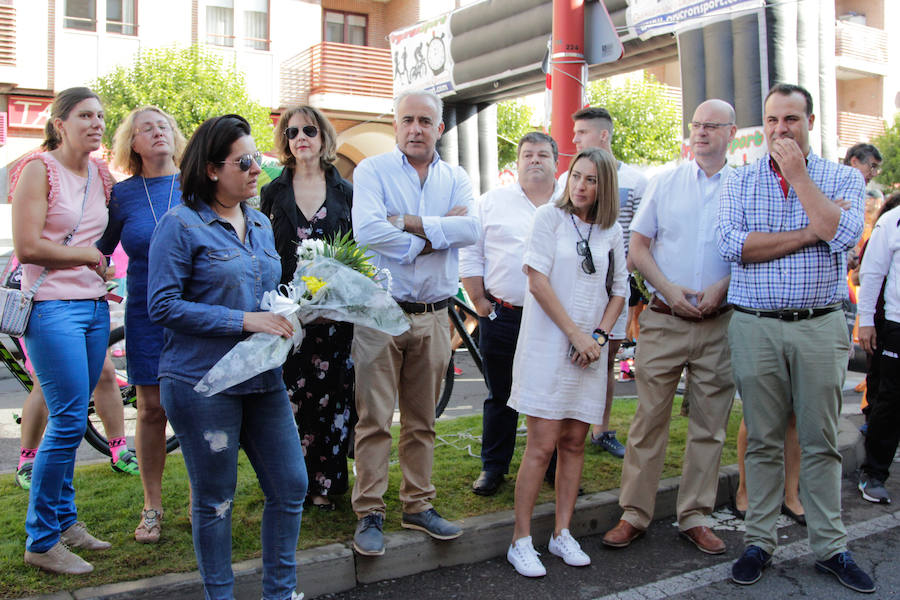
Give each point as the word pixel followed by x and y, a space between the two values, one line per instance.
pixel 15 367
pixel 456 307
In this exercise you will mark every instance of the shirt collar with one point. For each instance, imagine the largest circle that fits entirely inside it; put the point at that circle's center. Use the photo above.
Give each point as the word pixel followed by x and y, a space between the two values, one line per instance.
pixel 208 215
pixel 700 174
pixel 405 161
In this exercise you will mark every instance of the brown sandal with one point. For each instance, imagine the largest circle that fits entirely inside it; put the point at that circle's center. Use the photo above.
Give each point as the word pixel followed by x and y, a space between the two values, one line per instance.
pixel 150 528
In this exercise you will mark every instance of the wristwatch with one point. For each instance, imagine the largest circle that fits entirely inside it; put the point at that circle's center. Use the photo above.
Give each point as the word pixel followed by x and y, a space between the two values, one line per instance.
pixel 399 222
pixel 601 336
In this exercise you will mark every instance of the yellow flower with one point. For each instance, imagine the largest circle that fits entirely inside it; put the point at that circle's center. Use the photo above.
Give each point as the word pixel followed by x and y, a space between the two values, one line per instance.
pixel 313 284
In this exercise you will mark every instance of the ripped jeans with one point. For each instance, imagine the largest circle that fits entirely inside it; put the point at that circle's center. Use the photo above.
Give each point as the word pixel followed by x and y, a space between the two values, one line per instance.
pixel 210 431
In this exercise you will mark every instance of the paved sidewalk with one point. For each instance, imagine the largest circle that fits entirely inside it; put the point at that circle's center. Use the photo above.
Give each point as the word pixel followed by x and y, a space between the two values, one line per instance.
pixel 335 568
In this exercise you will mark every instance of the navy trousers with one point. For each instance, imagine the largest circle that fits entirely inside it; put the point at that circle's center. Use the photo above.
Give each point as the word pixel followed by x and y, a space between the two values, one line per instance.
pixel 497 342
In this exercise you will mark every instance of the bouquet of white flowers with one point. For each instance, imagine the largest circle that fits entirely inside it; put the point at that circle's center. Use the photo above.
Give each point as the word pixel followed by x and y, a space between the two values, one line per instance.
pixel 334 280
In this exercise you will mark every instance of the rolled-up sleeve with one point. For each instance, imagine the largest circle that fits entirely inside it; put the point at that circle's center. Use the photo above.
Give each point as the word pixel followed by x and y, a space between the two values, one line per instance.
pixel 850 227
pixel 454 232
pixel 731 229
pixel 370 225
pixel 171 262
pixel 471 258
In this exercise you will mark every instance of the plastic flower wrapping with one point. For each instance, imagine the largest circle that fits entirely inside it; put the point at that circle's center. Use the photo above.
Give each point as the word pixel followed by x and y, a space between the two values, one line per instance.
pixel 334 280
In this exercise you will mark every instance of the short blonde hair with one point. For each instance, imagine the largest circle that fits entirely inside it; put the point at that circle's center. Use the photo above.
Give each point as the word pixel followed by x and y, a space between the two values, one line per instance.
pixel 605 210
pixel 123 155
pixel 328 153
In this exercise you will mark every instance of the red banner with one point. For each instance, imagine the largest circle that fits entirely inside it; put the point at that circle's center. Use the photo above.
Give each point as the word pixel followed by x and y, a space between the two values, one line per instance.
pixel 28 112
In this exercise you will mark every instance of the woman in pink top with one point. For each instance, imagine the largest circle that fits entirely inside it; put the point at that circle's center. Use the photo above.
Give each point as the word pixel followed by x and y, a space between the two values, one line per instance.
pixel 58 213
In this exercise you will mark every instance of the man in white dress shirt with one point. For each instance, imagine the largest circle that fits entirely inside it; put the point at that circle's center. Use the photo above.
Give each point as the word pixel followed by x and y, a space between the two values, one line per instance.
pixel 411 209
pixel 491 272
pixel 673 244
pixel 593 128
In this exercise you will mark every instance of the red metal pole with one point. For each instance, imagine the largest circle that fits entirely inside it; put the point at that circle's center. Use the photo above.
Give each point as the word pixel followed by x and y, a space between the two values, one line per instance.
pixel 566 63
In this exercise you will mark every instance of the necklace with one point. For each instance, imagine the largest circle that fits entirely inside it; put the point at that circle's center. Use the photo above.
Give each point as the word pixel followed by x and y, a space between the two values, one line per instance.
pixel 150 200
pixel 583 242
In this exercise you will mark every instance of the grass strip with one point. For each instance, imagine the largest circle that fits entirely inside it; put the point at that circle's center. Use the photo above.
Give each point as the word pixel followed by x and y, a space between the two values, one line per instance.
pixel 110 504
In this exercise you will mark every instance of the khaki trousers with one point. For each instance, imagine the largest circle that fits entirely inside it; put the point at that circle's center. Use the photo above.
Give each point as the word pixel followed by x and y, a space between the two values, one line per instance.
pixel 666 345
pixel 782 367
pixel 408 367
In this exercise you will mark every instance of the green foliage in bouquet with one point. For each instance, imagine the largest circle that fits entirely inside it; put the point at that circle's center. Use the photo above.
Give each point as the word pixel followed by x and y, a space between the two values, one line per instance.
pixel 345 250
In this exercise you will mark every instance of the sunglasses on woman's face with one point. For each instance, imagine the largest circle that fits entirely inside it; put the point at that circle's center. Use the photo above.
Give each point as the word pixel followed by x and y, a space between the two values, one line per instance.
pixel 309 131
pixel 587 265
pixel 246 161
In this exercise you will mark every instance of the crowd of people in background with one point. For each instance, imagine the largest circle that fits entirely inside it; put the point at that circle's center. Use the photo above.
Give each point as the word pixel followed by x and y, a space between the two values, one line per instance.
pixel 746 270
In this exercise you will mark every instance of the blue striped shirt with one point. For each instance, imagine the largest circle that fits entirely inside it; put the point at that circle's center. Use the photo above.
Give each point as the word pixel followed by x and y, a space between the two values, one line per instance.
pixel 753 201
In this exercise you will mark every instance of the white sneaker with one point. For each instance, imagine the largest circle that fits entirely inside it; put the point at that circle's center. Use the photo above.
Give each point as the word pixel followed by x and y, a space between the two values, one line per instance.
pixel 524 558
pixel 565 547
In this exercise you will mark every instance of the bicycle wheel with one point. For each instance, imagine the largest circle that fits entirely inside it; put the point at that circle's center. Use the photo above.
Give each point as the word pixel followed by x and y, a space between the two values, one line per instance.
pixel 446 388
pixel 95 434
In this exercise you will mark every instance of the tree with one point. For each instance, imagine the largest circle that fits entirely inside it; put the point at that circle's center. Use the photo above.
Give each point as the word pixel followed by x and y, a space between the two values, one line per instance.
pixel 191 84
pixel 889 146
pixel 647 123
pixel 513 121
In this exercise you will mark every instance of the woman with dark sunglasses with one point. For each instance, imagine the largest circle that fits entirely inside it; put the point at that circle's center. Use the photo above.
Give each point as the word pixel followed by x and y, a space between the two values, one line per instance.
pixel 575 262
pixel 310 200
pixel 211 260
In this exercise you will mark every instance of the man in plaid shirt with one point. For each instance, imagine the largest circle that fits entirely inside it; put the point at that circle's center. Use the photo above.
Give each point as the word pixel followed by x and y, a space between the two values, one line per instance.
pixel 786 223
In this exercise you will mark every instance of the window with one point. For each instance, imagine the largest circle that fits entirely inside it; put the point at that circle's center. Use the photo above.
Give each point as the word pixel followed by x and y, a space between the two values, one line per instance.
pixel 256 24
pixel 121 16
pixel 345 28
pixel 81 14
pixel 220 22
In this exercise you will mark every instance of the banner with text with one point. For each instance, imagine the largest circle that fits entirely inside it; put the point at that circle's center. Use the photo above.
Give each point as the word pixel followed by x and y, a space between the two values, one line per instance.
pixel 647 18
pixel 421 57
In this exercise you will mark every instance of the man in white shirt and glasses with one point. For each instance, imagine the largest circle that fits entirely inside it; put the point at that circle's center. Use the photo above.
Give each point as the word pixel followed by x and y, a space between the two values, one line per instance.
pixel 491 272
pixel 673 245
pixel 411 209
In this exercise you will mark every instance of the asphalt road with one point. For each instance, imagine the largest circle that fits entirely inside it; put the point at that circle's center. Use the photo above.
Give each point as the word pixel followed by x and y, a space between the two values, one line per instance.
pixel 663 565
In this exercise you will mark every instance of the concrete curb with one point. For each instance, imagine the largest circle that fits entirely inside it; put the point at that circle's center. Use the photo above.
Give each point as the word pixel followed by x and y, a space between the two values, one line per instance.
pixel 336 568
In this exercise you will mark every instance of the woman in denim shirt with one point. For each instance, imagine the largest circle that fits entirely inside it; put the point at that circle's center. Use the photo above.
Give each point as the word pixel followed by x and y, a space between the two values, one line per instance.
pixel 211 259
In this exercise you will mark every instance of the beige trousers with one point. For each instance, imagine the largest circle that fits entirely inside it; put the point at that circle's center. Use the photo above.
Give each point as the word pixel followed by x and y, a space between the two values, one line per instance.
pixel 666 345
pixel 409 368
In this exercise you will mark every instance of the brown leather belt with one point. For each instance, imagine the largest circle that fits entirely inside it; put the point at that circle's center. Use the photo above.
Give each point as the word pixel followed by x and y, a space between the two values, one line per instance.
pixel 419 308
pixel 502 303
pixel 657 305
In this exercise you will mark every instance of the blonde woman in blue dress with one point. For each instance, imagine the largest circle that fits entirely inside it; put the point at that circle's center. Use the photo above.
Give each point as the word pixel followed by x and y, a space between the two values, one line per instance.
pixel 575 263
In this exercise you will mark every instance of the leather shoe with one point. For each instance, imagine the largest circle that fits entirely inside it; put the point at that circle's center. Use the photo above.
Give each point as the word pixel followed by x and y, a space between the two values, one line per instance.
pixel 487 483
pixel 622 535
pixel 798 519
pixel 703 537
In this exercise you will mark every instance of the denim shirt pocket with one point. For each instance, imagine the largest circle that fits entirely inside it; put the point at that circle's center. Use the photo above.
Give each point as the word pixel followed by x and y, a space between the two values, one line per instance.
pixel 225 267
pixel 271 267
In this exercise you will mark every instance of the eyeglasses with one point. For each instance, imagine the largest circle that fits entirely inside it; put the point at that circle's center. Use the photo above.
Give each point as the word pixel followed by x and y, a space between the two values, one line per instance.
pixel 874 168
pixel 245 162
pixel 309 131
pixel 587 265
pixel 709 126
pixel 149 128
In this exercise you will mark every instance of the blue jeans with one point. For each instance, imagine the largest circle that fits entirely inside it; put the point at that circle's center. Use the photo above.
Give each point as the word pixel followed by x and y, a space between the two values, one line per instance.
pixel 66 341
pixel 210 429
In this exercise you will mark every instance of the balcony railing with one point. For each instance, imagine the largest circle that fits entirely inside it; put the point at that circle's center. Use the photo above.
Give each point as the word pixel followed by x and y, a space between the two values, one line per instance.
pixel 854 128
pixel 861 42
pixel 332 68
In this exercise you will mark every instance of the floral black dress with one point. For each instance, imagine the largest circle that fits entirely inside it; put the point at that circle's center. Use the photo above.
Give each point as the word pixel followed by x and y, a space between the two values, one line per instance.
pixel 319 377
